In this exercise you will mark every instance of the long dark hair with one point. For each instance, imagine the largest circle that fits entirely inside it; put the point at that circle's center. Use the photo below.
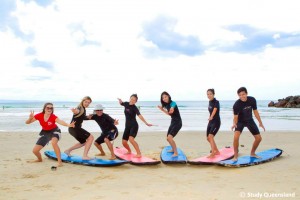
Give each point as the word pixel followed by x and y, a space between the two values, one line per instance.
pixel 47 104
pixel 164 104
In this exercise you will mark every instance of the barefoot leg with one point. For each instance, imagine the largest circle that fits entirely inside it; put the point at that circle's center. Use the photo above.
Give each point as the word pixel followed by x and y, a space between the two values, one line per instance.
pixel 110 147
pixel 54 142
pixel 125 144
pixel 87 147
pixel 99 147
pixel 173 144
pixel 36 151
pixel 257 140
pixel 135 146
pixel 236 144
pixel 214 148
pixel 75 146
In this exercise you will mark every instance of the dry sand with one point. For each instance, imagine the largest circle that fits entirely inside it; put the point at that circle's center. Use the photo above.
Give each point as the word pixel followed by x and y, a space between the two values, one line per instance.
pixel 22 180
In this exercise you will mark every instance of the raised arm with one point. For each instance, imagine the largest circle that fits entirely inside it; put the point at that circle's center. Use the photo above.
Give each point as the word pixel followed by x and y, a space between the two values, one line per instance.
pixel 257 116
pixel 120 101
pixel 31 118
pixel 63 123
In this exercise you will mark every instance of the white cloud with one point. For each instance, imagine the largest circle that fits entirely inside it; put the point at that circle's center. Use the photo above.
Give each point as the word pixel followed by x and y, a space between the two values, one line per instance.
pixel 114 65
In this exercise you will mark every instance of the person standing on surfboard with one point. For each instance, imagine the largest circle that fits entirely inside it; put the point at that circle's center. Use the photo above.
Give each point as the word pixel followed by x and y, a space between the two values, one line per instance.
pixel 108 128
pixel 82 136
pixel 242 110
pixel 131 125
pixel 49 132
pixel 214 122
pixel 170 108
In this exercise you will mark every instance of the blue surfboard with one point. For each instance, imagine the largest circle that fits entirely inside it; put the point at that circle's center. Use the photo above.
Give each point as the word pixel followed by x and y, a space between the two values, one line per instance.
pixel 166 156
pixel 244 161
pixel 78 160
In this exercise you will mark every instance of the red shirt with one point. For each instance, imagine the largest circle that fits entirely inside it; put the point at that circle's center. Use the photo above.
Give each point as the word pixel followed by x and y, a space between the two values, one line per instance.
pixel 48 125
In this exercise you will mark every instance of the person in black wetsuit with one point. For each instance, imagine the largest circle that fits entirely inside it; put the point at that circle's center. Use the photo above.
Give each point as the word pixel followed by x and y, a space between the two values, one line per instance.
pixel 242 110
pixel 214 122
pixel 108 128
pixel 170 108
pixel 131 125
pixel 82 136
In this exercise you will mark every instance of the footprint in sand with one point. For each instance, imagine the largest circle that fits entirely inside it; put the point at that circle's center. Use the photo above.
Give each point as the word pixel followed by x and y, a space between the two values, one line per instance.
pixel 29 176
pixel 76 188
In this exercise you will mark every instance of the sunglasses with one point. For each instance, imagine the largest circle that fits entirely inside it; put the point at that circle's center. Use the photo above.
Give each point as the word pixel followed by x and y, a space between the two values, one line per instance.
pixel 98 110
pixel 49 108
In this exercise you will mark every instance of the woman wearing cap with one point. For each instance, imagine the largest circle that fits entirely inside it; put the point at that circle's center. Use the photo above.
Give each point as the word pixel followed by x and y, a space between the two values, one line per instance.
pixel 82 136
pixel 49 132
pixel 131 125
pixel 108 128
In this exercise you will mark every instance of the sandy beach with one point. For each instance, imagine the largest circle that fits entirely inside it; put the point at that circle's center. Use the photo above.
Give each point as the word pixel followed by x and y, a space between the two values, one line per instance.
pixel 22 180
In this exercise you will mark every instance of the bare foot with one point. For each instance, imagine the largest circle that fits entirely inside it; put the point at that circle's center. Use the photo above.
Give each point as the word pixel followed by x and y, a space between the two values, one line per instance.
pixel 100 154
pixel 59 164
pixel 128 152
pixel 137 156
pixel 217 153
pixel 234 159
pixel 175 155
pixel 211 156
pixel 255 156
pixel 34 161
pixel 86 158
pixel 113 158
pixel 68 153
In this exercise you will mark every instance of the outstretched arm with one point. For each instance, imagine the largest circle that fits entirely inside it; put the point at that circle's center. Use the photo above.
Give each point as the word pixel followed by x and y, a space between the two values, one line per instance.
pixel 31 118
pixel 120 101
pixel 256 114
pixel 142 118
pixel 63 123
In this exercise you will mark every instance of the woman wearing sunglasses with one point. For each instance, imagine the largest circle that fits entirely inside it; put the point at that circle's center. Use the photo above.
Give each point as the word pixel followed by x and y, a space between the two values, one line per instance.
pixel 49 132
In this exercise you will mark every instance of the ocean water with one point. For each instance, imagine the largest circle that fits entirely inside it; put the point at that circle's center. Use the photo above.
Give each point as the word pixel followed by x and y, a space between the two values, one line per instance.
pixel 13 115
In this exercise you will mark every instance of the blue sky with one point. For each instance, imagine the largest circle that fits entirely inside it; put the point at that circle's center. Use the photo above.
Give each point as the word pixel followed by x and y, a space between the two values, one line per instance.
pixel 64 50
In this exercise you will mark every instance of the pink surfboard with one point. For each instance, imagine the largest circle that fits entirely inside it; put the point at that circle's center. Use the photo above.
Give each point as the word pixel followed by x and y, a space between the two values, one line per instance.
pixel 120 152
pixel 225 154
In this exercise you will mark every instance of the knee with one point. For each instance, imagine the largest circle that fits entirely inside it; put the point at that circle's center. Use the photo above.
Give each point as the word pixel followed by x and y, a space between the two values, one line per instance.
pixel 210 137
pixel 35 151
pixel 96 144
pixel 258 138
pixel 106 140
pixel 131 139
pixel 124 142
pixel 91 137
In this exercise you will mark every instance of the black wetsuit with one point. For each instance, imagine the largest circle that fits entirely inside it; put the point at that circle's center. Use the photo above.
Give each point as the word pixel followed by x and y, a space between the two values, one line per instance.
pixel 78 132
pixel 176 122
pixel 244 112
pixel 131 125
pixel 106 123
pixel 214 124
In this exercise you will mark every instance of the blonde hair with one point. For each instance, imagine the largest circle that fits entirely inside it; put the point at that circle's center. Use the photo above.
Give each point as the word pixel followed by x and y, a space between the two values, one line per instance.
pixel 81 107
